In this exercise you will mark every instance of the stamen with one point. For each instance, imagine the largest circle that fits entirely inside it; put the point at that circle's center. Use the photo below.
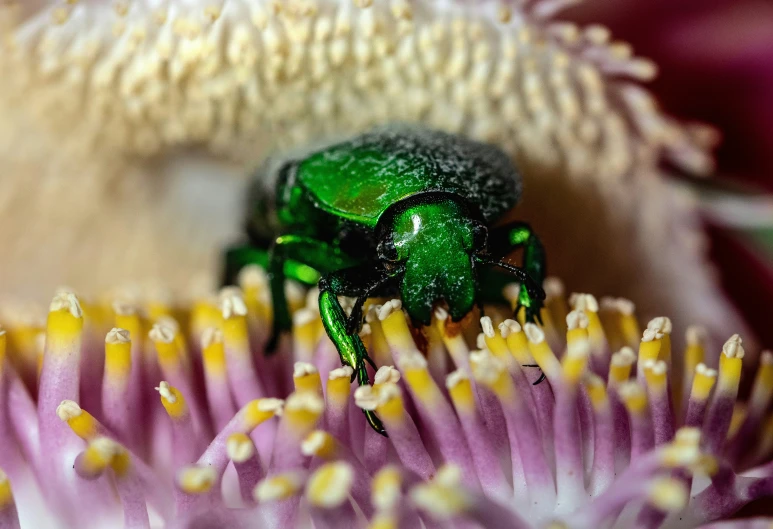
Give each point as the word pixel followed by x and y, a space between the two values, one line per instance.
pixel 449 502
pixel 635 400
pixel 306 378
pixel 620 366
pixel 388 403
pixel 220 403
pixel 279 487
pixel 60 374
pixel 302 411
pixel 721 411
pixel 489 471
pixel 655 374
pixel 603 469
pixel 758 404
pixel 241 450
pixel 524 438
pixel 542 353
pixel 183 433
pixel 244 381
pixel 702 384
pixel 328 492
pixel 337 402
pixel 649 350
pixel 117 400
pixel 435 410
pixel 196 480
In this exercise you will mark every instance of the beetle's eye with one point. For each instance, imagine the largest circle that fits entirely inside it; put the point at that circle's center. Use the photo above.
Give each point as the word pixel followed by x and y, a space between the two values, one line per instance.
pixel 479 235
pixel 386 250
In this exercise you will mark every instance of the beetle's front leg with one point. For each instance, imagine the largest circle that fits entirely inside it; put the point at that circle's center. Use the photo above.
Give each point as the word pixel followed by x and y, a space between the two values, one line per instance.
pixel 358 281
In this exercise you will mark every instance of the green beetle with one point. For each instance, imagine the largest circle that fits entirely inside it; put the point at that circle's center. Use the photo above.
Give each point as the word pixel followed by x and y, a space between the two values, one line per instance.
pixel 396 211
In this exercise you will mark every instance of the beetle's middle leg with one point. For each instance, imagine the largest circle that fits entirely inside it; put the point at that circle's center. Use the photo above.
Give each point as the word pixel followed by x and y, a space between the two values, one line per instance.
pixel 321 256
pixel 507 238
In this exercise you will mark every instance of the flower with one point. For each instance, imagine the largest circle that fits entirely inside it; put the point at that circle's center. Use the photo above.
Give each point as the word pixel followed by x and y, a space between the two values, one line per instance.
pixel 653 438
pixel 160 108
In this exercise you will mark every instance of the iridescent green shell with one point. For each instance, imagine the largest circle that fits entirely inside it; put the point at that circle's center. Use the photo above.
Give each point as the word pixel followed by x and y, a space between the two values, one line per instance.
pixel 360 178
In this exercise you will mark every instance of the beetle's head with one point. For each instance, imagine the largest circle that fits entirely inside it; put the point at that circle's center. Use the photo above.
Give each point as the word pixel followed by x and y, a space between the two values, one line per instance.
pixel 432 242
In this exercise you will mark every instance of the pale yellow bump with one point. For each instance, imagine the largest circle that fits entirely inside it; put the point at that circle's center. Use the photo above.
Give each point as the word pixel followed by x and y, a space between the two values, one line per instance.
pixel 213 352
pixel 321 444
pixel 163 336
pixel 195 479
pixel 386 488
pixel 81 422
pixel 730 365
pixel 260 410
pixel 695 352
pixel 6 495
pixel 575 361
pixel 306 377
pixel 118 357
pixel 414 367
pixel 389 404
pixel 490 371
pixel 339 384
pixel 655 374
pixel 762 391
pixel 703 382
pixel 541 351
pixel 302 410
pixel 649 348
pixel 634 397
pixel 668 494
pixel 279 487
pixel 597 391
pixel 172 400
pixel 460 389
pixel 441 502
pixel 239 447
pixel 620 366
pixel 99 454
pixel 330 485
pixel 65 320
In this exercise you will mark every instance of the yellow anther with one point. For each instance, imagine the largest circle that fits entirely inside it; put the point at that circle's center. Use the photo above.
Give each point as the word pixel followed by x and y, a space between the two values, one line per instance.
pixel 597 391
pixel 6 495
pixel 460 389
pixel 196 480
pixel 302 411
pixel 81 422
pixel 414 368
pixel 702 382
pixel 172 400
pixel 279 487
pixel 634 397
pixel 65 322
pixel 118 355
pixel 386 488
pixel 213 352
pixel 260 410
pixel 339 384
pixel 321 444
pixel 655 373
pixel 620 366
pixel 330 485
pixel 306 378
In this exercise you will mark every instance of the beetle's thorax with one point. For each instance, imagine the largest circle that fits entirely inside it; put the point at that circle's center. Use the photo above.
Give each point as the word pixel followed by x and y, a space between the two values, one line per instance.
pixel 435 240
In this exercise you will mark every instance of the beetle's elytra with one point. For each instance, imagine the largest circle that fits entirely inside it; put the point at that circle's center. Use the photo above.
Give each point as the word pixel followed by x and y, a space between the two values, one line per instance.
pixel 396 211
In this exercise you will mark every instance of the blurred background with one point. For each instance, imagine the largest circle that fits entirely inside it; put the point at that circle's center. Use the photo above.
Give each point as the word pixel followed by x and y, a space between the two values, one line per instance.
pixel 115 172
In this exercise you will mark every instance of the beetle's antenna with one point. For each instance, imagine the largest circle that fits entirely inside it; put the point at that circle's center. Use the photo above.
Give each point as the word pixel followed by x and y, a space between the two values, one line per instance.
pixel 518 272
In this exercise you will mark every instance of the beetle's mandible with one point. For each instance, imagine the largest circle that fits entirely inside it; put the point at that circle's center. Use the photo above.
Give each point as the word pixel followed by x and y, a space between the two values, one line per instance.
pixel 396 211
